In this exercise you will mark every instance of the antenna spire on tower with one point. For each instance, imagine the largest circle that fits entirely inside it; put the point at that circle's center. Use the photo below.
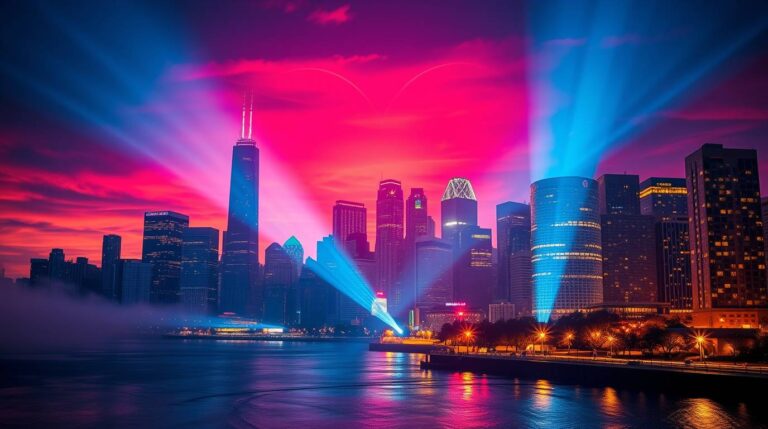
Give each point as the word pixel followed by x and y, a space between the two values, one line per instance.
pixel 242 127
pixel 250 119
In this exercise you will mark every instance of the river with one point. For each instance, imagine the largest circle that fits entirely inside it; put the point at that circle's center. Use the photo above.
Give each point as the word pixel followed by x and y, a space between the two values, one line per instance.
pixel 159 383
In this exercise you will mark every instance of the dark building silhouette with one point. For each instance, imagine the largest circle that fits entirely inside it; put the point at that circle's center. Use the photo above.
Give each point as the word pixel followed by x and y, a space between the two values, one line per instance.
pixel 38 272
pixel 163 232
pixel 349 218
pixel 458 208
pixel 566 253
pixel 389 242
pixel 240 252
pixel 57 266
pixel 317 301
pixel 764 205
pixel 135 278
pixel 85 277
pixel 295 250
pixel 5 281
pixel 110 257
pixel 513 236
pixel 416 217
pixel 279 279
pixel 200 269
pixel 619 194
pixel 726 235
pixel 350 232
pixel 628 242
pixel 417 226
pixel 473 269
pixel 365 263
pixel 666 199
pixel 433 280
pixel 327 258
pixel 521 282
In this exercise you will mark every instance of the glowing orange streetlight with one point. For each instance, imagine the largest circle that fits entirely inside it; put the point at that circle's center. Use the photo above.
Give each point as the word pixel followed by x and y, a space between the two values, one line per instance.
pixel 701 341
pixel 569 340
pixel 468 334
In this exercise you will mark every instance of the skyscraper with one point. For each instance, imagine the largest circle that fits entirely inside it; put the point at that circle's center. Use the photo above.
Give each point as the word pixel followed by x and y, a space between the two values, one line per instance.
pixel 417 226
pixel 521 282
pixel 163 232
pixel 433 280
pixel 57 266
pixel 240 253
pixel 663 197
pixel 726 235
pixel 473 269
pixel 38 272
pixel 666 199
pixel 629 259
pixel 295 250
pixel 348 218
pixel 565 246
pixel 200 269
pixel 416 217
pixel 513 236
pixel 317 301
pixel 628 241
pixel 279 278
pixel 458 208
pixel 389 241
pixel 110 257
pixel 619 193
pixel 135 279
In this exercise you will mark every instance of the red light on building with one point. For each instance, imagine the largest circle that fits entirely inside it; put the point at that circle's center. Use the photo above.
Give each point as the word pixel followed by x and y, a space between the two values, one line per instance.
pixel 379 294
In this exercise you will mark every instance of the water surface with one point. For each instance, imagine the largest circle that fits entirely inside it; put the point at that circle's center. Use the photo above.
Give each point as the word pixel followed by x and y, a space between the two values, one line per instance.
pixel 154 382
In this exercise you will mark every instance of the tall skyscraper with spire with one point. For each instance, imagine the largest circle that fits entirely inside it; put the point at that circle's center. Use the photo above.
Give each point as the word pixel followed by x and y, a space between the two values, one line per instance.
pixel 389 238
pixel 240 258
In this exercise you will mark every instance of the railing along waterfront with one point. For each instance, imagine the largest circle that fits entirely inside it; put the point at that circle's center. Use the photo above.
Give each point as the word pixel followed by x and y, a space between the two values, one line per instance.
pixel 640 363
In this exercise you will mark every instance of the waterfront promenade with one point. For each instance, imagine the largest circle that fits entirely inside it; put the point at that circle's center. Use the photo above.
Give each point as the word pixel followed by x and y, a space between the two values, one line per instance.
pixel 706 378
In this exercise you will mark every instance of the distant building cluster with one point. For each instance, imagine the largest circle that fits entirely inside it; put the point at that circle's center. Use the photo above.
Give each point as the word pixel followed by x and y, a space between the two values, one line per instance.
pixel 693 246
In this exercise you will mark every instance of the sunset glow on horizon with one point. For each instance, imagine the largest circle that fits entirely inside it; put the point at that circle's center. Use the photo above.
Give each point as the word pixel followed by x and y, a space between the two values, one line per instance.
pixel 104 124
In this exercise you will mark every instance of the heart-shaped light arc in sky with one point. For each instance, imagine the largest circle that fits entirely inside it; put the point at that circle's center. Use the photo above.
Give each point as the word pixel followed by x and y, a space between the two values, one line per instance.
pixel 365 96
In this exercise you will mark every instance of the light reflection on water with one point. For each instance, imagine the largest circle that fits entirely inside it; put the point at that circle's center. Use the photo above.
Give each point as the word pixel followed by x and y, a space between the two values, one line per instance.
pixel 164 383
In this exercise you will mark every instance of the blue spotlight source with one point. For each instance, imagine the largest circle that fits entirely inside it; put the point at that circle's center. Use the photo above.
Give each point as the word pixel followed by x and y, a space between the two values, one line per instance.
pixel 341 273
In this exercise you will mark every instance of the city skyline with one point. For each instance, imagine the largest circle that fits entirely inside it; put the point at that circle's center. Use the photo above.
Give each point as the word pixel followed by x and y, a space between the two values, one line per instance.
pixel 75 170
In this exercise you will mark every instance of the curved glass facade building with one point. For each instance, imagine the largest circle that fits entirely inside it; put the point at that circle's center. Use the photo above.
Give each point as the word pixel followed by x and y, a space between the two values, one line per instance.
pixel 566 253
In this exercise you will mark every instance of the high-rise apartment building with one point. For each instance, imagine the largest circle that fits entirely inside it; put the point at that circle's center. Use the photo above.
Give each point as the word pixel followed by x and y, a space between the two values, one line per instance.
pixel 726 236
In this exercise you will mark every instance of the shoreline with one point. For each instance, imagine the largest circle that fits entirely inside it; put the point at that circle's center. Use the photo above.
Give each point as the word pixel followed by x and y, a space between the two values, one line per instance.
pixel 286 338
pixel 601 373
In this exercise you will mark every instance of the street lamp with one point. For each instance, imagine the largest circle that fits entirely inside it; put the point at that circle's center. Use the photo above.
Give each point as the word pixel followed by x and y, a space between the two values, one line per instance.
pixel 700 340
pixel 569 340
pixel 542 337
pixel 468 336
pixel 610 340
